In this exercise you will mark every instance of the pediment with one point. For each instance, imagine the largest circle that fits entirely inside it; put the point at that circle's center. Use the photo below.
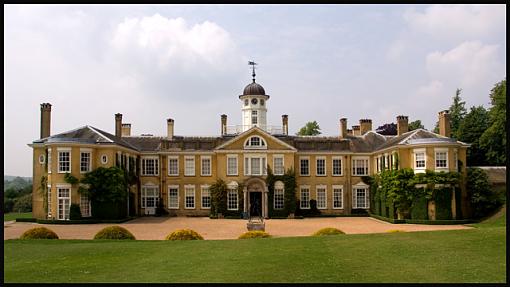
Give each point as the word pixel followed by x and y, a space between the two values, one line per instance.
pixel 271 142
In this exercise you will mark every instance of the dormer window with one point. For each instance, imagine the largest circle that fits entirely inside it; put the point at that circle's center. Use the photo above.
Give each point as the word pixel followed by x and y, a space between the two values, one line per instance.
pixel 255 142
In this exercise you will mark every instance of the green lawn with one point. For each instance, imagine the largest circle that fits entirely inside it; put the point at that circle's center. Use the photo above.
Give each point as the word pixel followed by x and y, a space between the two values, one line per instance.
pixel 14 215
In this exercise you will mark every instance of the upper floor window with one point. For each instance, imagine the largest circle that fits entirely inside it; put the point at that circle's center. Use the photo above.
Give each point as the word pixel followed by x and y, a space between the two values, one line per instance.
pixel 231 164
pixel 255 142
pixel 206 165
pixel 254 117
pixel 173 165
pixel 419 159
pixel 189 165
pixel 321 166
pixel 337 166
pixel 304 166
pixel 85 161
pixel 441 158
pixel 49 160
pixel 359 166
pixel 150 166
pixel 64 161
pixel 278 165
pixel 255 165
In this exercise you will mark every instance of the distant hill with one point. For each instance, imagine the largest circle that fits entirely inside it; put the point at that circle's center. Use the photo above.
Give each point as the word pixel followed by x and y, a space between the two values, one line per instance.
pixel 11 177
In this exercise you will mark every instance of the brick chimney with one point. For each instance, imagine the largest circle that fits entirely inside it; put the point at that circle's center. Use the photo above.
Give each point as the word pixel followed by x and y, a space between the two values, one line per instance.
pixel 349 132
pixel 170 128
pixel 118 125
pixel 444 123
pixel 126 130
pixel 223 124
pixel 45 120
pixel 402 125
pixel 285 124
pixel 356 131
pixel 343 127
pixel 365 126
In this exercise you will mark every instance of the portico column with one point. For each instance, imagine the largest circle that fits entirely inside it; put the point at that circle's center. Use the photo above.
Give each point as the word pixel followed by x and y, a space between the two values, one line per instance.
pixel 245 194
pixel 264 206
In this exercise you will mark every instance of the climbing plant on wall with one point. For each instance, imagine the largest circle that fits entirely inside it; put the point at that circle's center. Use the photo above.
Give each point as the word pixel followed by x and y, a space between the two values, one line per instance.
pixel 289 197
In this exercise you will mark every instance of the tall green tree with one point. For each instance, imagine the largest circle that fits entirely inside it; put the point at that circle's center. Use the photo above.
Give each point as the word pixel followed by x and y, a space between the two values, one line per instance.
pixel 457 113
pixel 415 125
pixel 493 140
pixel 310 129
pixel 470 130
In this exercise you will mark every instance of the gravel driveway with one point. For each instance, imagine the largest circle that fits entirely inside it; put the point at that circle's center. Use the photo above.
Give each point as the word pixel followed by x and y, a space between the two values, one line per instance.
pixel 156 228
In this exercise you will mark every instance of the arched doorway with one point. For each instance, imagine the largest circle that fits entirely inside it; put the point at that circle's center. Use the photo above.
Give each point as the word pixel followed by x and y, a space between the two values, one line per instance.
pixel 255 197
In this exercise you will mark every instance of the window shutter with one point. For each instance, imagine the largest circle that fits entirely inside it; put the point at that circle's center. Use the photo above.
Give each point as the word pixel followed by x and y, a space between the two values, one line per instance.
pixel 354 203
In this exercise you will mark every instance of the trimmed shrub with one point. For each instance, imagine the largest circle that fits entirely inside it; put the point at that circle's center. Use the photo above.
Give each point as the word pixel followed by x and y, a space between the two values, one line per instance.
pixel 395 231
pixel 419 208
pixel 443 199
pixel 484 198
pixel 74 212
pixel 39 233
pixel 114 232
pixel 254 234
pixel 184 234
pixel 328 231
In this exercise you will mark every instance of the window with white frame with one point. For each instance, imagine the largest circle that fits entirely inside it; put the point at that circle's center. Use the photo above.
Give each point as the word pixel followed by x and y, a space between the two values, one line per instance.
pixel 85 206
pixel 232 165
pixel 255 142
pixel 189 165
pixel 320 166
pixel 394 161
pixel 359 166
pixel 255 165
pixel 321 197
pixel 304 166
pixel 64 202
pixel 64 161
pixel 206 197
pixel 104 159
pixel 189 196
pixel 279 195
pixel 205 165
pixel 338 195
pixel 150 196
pixel 49 201
pixel 150 166
pixel 360 197
pixel 377 165
pixel 419 159
pixel 41 159
pixel 304 200
pixel 49 160
pixel 173 197
pixel 85 161
pixel 441 158
pixel 232 200
pixel 278 165
pixel 254 117
pixel 173 165
pixel 337 166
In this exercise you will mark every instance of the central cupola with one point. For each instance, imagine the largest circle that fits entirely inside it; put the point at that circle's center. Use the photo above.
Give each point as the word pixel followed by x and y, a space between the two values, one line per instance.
pixel 254 104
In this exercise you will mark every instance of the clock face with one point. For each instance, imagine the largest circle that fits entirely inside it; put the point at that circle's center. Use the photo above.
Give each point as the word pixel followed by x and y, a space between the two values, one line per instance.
pixel 261 102
pixel 254 101
pixel 246 102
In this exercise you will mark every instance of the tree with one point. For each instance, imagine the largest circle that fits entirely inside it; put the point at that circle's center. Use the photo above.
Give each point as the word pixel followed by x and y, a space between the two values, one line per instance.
pixel 484 199
pixel 470 130
pixel 457 113
pixel 415 125
pixel 105 184
pixel 387 129
pixel 493 140
pixel 310 129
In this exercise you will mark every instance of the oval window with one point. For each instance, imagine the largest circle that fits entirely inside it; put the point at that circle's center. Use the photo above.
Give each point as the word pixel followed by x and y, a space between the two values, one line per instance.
pixel 104 159
pixel 41 159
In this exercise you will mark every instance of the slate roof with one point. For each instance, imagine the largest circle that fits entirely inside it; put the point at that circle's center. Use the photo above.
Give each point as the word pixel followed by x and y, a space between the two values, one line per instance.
pixel 369 142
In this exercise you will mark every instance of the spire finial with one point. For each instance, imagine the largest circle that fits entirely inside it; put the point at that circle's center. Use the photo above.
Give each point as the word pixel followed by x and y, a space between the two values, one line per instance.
pixel 252 64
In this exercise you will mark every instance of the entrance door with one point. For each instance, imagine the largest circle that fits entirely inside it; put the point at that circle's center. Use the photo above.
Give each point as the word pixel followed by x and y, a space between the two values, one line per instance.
pixel 255 203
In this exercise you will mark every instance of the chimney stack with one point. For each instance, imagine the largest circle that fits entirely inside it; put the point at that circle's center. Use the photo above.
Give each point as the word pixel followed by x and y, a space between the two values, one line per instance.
pixel 223 124
pixel 285 124
pixel 126 130
pixel 402 125
pixel 349 132
pixel 356 131
pixel 365 126
pixel 444 123
pixel 170 128
pixel 343 127
pixel 45 120
pixel 118 125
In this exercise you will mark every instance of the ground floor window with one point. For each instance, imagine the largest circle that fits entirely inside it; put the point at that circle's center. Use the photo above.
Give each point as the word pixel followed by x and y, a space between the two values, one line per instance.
pixel 278 195
pixel 173 197
pixel 321 198
pixel 206 197
pixel 304 202
pixel 85 206
pixel 338 197
pixel 360 197
pixel 150 196
pixel 232 200
pixel 189 197
pixel 64 202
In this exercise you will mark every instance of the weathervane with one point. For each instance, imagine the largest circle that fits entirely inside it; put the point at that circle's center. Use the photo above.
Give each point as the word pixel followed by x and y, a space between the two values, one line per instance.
pixel 252 64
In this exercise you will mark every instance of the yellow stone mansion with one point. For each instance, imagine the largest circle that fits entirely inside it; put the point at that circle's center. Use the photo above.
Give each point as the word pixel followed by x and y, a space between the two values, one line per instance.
pixel 179 170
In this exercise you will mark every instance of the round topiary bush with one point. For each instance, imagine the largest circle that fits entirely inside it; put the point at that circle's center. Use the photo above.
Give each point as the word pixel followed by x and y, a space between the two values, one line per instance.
pixel 39 233
pixel 114 232
pixel 254 234
pixel 184 234
pixel 328 231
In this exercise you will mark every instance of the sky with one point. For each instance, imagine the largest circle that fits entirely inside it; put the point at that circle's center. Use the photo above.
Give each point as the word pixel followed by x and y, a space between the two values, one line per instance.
pixel 189 63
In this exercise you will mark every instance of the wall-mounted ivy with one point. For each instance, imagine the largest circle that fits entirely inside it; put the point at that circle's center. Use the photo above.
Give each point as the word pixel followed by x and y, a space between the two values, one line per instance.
pixel 289 196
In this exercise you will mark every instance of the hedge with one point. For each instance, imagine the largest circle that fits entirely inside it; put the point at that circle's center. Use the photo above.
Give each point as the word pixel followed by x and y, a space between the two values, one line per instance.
pixel 440 222
pixel 458 203
pixel 443 200
pixel 419 208
pixel 82 221
pixel 383 206
pixel 109 210
pixel 390 220
pixel 254 234
pixel 328 231
pixel 26 219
